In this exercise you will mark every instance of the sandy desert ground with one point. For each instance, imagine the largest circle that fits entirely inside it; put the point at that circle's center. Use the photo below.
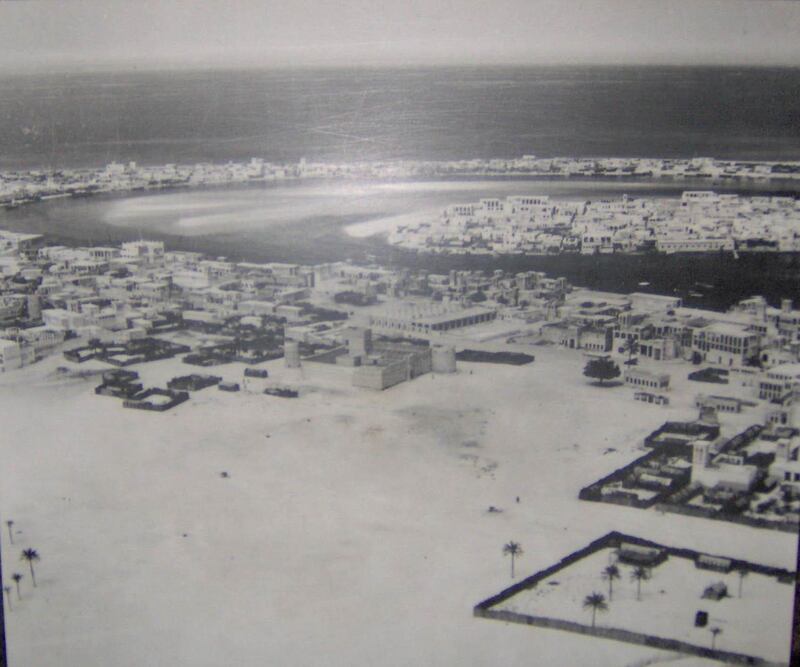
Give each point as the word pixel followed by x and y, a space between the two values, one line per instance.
pixel 352 528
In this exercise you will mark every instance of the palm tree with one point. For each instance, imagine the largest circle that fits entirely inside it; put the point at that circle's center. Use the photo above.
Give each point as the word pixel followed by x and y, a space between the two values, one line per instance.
pixel 639 575
pixel 610 573
pixel 714 632
pixel 742 572
pixel 30 555
pixel 7 591
pixel 17 577
pixel 513 549
pixel 10 523
pixel 596 602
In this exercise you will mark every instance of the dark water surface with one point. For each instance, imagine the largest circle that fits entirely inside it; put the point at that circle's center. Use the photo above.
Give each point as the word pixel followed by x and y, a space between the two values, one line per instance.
pixel 439 113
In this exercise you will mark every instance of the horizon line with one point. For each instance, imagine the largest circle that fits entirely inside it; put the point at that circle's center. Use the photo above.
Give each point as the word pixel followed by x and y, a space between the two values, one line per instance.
pixel 167 66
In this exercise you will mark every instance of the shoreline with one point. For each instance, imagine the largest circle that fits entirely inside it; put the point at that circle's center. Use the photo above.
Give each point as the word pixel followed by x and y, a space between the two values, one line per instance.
pixel 605 186
pixel 23 187
pixel 321 238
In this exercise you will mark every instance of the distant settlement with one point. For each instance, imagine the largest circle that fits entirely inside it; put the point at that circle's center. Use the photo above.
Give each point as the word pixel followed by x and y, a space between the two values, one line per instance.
pixel 700 221
pixel 21 187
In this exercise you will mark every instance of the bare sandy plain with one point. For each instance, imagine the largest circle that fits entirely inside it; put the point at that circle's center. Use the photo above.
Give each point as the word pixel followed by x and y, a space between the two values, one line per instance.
pixel 352 528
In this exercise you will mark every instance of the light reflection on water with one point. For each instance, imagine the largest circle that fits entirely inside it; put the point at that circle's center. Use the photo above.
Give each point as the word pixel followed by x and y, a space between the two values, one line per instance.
pixel 230 211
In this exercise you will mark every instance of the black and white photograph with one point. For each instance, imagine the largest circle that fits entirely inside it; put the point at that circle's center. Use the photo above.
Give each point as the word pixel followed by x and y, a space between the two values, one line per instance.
pixel 444 333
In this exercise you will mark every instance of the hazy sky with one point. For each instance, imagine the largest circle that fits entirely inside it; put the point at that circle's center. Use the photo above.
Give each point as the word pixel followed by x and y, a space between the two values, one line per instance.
pixel 148 33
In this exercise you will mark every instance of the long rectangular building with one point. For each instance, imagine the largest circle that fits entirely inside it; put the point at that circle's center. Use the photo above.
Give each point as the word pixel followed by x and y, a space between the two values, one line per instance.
pixel 419 320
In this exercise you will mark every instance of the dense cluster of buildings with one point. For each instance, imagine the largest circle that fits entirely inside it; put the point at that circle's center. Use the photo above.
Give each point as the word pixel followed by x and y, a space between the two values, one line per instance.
pixel 106 300
pixel 700 221
pixel 115 295
pixel 751 337
pixel 120 304
pixel 751 477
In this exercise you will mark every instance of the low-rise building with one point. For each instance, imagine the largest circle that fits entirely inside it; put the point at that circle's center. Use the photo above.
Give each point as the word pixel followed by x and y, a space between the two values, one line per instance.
pixel 150 252
pixel 786 467
pixel 726 472
pixel 430 319
pixel 640 378
pixel 61 319
pixel 595 339
pixel 780 383
pixel 719 403
pixel 20 242
pixel 658 349
pixel 726 344
pixel 392 366
pixel 650 397
pixel 10 355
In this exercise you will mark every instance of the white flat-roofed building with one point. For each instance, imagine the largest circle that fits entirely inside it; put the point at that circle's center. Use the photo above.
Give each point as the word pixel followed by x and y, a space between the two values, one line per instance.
pixel 191 279
pixel 699 197
pixel 40 339
pixel 391 365
pixel 720 471
pixel 640 378
pixel 780 383
pixel 154 290
pixel 202 317
pixel 183 257
pixel 10 265
pixel 216 269
pixel 491 207
pixel 149 251
pixel 658 349
pixel 596 338
pixel 786 467
pixel 460 210
pixel 104 253
pixel 785 319
pixel 672 244
pixel 526 204
pixel 726 344
pixel 10 355
pixel 18 242
pixel 255 307
pixel 63 255
pixel 64 320
pixel 431 319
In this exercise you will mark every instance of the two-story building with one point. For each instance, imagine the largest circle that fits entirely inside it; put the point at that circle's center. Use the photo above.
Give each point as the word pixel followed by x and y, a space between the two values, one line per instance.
pixel 726 344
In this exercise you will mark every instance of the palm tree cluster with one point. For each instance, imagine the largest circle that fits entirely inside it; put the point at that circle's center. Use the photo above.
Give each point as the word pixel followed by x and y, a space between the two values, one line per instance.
pixel 28 555
pixel 598 602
